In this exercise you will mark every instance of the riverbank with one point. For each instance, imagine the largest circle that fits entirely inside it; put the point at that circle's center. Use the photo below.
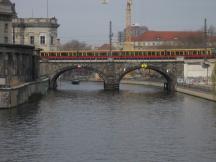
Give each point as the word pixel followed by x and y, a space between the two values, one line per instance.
pixel 181 89
pixel 17 95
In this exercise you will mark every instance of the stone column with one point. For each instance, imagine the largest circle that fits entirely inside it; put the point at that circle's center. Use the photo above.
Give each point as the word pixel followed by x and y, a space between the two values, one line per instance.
pixel 111 82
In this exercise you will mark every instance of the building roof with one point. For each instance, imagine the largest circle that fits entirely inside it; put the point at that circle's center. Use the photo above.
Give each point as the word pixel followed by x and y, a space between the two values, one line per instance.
pixel 7 8
pixel 104 47
pixel 36 22
pixel 166 35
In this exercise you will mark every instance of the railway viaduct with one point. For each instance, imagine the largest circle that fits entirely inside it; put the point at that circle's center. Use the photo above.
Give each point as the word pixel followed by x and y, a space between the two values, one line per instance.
pixel 111 72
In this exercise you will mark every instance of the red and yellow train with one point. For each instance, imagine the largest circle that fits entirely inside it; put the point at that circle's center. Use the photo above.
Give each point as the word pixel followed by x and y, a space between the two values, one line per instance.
pixel 130 55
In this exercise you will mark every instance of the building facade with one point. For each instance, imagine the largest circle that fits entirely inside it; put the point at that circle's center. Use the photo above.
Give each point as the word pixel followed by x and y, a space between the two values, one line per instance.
pixel 169 39
pixel 136 30
pixel 39 32
pixel 7 13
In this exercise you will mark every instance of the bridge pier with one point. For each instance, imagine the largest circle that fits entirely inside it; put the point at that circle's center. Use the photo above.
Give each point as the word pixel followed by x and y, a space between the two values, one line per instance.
pixel 111 87
pixel 170 86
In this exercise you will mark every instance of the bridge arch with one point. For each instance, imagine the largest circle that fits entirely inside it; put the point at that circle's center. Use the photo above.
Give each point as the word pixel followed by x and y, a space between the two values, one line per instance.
pixel 55 76
pixel 170 78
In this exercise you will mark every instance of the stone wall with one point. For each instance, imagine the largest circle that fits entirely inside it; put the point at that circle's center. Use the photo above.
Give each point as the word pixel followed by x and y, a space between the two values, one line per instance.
pixel 11 97
pixel 18 65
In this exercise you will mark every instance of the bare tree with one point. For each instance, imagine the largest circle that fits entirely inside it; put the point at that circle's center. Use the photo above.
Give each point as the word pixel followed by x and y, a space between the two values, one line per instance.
pixel 75 45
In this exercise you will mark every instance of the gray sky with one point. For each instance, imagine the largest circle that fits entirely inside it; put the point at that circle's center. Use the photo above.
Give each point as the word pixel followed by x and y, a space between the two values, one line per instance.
pixel 88 20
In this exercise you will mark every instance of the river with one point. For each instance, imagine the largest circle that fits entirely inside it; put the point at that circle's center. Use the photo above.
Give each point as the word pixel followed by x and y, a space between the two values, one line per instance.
pixel 82 123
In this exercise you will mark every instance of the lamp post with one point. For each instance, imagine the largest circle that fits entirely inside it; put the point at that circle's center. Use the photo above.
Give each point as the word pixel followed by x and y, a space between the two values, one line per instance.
pixel 110 40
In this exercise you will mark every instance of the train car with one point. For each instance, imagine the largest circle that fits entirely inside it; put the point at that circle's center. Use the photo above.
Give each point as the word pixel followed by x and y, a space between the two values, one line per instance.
pixel 214 51
pixel 130 54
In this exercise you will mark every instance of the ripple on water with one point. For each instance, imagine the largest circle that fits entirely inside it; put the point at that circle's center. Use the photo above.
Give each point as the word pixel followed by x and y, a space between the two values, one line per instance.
pixel 86 124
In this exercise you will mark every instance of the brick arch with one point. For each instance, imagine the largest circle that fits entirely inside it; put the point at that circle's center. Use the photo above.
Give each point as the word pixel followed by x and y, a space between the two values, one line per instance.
pixel 53 79
pixel 170 78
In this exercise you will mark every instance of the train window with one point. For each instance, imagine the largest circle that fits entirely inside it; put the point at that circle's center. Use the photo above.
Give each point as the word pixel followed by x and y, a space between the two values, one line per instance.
pixel 177 53
pixel 89 54
pixel 162 52
pixel 115 54
pixel 199 52
pixel 126 53
pixel 153 53
pixel 73 54
pixel 103 54
pixel 168 52
pixel 63 54
pixel 194 52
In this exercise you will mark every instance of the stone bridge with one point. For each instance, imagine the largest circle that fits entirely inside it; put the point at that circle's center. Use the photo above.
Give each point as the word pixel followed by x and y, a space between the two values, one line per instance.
pixel 112 72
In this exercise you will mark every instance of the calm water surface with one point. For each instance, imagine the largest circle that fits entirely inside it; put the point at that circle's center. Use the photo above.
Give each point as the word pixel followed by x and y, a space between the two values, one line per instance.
pixel 82 123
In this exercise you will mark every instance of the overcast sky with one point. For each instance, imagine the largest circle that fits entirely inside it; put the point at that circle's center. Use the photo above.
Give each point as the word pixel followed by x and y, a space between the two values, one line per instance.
pixel 88 20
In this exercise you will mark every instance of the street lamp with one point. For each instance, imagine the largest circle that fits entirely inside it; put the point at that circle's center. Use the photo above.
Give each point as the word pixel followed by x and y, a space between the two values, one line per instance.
pixel 110 40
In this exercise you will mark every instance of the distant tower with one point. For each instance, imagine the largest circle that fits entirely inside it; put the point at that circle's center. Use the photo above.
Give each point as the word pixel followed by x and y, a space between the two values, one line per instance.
pixel 128 24
pixel 205 34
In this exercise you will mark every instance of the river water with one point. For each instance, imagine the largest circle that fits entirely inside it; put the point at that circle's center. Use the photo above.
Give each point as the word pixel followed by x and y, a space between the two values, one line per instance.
pixel 82 123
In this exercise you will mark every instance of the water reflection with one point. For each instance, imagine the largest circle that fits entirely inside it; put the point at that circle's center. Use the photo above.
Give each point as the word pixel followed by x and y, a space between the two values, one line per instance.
pixel 85 124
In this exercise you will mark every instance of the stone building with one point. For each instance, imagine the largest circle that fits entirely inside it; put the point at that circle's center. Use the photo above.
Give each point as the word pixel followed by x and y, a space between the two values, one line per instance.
pixel 19 64
pixel 168 39
pixel 38 32
pixel 7 13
